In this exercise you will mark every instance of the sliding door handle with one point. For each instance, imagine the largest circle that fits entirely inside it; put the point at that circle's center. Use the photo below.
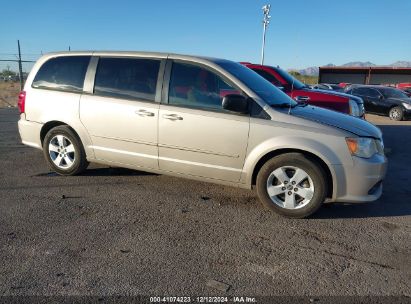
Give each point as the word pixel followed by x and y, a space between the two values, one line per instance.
pixel 143 112
pixel 172 117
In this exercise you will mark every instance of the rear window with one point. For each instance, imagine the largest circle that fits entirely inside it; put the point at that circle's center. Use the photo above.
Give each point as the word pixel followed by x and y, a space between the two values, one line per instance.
pixel 127 78
pixel 62 73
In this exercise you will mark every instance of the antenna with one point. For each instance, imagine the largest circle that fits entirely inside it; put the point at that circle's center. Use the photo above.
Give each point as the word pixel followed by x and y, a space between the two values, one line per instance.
pixel 266 21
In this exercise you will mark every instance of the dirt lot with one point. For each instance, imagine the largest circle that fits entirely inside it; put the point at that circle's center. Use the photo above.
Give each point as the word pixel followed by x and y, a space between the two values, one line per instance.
pixel 122 232
pixel 9 94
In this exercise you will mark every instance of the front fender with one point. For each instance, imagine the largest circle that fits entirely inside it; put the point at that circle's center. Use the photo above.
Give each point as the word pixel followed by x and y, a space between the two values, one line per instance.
pixel 297 143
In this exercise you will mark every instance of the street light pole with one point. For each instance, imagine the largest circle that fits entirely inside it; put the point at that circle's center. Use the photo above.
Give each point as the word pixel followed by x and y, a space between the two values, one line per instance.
pixel 266 21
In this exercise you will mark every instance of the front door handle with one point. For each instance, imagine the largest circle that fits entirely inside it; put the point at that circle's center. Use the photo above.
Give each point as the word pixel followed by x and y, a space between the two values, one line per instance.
pixel 143 112
pixel 302 98
pixel 172 117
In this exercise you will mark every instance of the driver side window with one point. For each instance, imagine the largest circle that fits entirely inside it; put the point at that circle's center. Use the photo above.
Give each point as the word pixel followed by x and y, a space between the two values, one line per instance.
pixel 197 87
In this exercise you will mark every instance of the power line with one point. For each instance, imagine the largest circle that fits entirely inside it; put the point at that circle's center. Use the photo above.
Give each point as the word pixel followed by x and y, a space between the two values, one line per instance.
pixel 26 54
pixel 10 60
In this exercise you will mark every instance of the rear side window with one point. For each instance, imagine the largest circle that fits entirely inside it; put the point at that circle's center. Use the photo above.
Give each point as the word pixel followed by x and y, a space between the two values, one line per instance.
pixel 62 73
pixel 366 92
pixel 127 78
pixel 268 76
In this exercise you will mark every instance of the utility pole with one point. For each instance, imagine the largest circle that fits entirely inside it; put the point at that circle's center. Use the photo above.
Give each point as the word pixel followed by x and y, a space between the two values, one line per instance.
pixel 266 21
pixel 20 67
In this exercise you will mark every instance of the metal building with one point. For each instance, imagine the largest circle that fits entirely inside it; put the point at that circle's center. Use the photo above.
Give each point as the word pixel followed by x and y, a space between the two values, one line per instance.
pixel 364 75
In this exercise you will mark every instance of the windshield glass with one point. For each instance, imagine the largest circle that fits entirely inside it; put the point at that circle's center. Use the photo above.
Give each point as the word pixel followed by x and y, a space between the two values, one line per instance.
pixel 393 93
pixel 263 88
pixel 292 81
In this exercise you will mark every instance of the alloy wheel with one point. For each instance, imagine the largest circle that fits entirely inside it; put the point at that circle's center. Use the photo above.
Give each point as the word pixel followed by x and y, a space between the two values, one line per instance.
pixel 62 152
pixel 290 187
pixel 395 114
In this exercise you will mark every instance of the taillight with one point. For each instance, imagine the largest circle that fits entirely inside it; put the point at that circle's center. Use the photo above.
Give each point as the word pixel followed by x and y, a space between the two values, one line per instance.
pixel 22 101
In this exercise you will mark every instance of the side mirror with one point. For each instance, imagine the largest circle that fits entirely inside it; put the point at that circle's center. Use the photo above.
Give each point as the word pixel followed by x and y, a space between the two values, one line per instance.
pixel 381 97
pixel 235 103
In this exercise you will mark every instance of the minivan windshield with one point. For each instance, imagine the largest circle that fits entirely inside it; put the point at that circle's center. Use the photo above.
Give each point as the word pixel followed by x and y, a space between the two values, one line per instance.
pixel 263 88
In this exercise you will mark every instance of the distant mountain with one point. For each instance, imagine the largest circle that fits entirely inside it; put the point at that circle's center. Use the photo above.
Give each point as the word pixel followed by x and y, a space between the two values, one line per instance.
pixel 401 64
pixel 313 71
pixel 359 64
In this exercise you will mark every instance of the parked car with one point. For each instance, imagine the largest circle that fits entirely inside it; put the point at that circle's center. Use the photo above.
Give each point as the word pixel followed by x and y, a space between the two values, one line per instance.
pixel 201 118
pixel 404 85
pixel 328 87
pixel 383 100
pixel 344 84
pixel 407 91
pixel 302 93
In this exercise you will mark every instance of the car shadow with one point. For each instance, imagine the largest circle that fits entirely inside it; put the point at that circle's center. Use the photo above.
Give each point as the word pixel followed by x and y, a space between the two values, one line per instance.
pixel 379 208
pixel 396 198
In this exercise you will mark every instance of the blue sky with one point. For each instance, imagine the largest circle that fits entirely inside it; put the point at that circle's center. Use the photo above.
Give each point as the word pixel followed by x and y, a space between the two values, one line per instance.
pixel 302 33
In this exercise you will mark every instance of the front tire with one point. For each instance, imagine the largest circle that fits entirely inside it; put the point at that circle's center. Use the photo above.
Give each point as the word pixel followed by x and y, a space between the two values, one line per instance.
pixel 64 151
pixel 396 113
pixel 292 185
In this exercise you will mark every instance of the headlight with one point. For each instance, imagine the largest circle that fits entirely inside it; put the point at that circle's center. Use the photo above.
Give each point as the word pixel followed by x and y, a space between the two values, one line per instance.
pixel 364 147
pixel 354 108
pixel 407 105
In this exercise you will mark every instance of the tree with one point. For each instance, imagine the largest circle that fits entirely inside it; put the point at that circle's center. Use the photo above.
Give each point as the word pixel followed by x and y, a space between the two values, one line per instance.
pixel 295 73
pixel 7 73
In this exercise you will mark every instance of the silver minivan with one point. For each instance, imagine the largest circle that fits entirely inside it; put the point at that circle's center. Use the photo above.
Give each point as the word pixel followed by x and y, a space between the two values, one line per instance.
pixel 201 118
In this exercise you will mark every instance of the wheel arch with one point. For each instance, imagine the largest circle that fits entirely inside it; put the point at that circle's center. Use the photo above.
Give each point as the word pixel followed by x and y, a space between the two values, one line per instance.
pixel 78 130
pixel 52 124
pixel 264 158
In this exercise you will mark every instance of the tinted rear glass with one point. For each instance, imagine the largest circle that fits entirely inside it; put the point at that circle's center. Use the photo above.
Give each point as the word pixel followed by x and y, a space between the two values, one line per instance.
pixel 62 73
pixel 127 78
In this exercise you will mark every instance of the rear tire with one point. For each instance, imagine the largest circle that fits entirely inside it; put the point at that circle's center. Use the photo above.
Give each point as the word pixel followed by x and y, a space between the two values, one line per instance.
pixel 292 185
pixel 64 151
pixel 396 113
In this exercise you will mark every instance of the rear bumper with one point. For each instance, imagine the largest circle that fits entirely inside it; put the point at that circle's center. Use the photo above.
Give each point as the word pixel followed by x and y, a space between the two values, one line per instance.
pixel 30 132
pixel 361 182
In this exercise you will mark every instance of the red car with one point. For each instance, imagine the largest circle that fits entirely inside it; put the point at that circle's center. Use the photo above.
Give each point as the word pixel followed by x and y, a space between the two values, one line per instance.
pixel 300 92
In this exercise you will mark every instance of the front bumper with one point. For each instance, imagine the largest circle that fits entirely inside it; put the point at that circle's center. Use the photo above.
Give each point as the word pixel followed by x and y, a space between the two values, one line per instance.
pixel 361 182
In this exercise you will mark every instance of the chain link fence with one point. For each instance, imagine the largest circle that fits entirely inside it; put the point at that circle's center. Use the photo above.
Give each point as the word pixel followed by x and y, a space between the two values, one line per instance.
pixel 9 76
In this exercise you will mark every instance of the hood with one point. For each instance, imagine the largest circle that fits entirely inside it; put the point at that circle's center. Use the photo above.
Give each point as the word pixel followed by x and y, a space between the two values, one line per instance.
pixel 340 94
pixel 342 121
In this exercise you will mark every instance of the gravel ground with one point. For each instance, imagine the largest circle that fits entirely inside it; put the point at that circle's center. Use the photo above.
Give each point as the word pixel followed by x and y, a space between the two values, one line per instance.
pixel 122 232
